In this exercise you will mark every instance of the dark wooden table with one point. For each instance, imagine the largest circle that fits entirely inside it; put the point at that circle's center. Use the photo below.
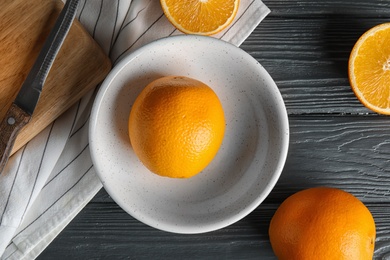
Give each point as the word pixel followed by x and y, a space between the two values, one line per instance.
pixel 335 141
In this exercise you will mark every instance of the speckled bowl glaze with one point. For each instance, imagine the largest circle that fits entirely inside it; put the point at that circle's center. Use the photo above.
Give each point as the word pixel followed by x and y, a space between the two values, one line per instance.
pixel 248 163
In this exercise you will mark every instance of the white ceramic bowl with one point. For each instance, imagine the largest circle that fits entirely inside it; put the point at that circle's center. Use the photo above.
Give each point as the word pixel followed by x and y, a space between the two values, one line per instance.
pixel 248 163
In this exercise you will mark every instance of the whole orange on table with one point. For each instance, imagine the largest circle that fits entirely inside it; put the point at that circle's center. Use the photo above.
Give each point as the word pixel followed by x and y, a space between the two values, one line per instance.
pixel 322 223
pixel 176 126
pixel 200 16
pixel 369 69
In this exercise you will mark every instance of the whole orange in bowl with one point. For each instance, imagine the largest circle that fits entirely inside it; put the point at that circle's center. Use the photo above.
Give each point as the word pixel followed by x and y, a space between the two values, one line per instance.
pixel 322 223
pixel 176 126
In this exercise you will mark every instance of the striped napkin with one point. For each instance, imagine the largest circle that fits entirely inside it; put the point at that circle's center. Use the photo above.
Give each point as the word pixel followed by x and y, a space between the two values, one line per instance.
pixel 49 180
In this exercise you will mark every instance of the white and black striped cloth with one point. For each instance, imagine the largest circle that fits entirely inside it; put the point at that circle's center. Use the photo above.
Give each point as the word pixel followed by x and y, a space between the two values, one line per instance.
pixel 47 182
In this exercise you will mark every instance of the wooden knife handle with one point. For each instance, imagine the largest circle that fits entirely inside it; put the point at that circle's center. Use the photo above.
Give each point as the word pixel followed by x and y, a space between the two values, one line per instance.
pixel 13 121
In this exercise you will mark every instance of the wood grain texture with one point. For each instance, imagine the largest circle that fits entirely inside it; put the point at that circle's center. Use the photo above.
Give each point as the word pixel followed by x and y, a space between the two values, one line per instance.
pixel 313 8
pixel 348 152
pixel 24 26
pixel 308 59
pixel 335 141
pixel 104 231
pixel 126 238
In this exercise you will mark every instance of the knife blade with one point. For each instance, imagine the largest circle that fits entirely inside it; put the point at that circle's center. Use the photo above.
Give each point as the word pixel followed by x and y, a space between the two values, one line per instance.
pixel 22 108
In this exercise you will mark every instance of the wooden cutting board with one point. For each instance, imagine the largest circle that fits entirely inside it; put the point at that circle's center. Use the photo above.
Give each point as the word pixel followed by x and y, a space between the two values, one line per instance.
pixel 79 66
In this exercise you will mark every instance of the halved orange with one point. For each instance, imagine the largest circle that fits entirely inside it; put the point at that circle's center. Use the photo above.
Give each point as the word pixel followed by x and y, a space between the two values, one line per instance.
pixel 204 17
pixel 369 69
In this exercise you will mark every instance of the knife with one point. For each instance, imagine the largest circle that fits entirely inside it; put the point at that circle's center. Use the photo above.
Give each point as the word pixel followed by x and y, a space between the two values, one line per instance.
pixel 22 108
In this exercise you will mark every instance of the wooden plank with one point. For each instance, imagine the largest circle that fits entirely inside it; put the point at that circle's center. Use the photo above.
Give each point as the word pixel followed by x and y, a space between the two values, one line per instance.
pixel 310 8
pixel 105 231
pixel 308 59
pixel 347 152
